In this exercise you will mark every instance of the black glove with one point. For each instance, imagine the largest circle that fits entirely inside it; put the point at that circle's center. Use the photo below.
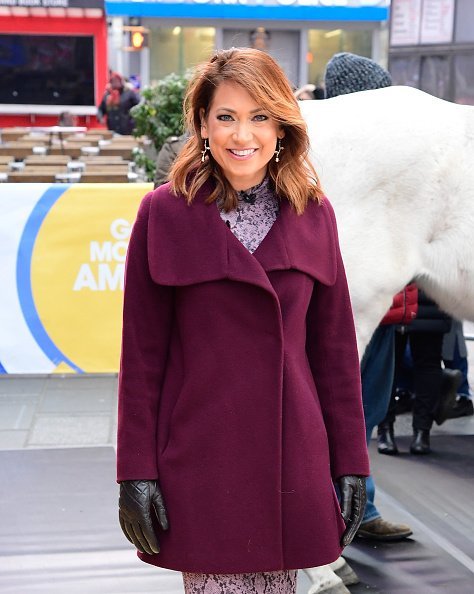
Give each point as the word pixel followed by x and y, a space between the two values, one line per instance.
pixel 137 499
pixel 353 500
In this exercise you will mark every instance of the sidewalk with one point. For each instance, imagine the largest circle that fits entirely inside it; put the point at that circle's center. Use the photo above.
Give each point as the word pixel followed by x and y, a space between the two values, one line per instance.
pixel 58 501
pixel 57 411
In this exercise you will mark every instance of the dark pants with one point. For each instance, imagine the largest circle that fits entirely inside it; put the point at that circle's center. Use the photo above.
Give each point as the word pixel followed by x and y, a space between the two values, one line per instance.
pixel 427 375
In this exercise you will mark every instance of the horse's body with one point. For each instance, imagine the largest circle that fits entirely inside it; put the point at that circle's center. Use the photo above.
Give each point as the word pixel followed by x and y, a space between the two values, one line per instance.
pixel 398 167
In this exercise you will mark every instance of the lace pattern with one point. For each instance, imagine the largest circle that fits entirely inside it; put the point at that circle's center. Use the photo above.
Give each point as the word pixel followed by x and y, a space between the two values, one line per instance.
pixel 254 216
pixel 271 582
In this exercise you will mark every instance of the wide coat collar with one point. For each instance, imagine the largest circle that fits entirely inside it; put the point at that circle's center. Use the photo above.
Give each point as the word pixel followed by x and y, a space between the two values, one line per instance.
pixel 191 244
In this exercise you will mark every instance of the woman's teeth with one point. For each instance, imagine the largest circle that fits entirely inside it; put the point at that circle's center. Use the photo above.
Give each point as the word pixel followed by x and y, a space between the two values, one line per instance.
pixel 243 153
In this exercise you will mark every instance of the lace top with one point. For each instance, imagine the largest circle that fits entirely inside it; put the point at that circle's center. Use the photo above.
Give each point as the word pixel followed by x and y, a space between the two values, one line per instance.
pixel 254 216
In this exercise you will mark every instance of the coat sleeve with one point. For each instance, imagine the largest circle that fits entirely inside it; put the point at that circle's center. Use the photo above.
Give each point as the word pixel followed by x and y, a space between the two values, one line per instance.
pixel 332 353
pixel 147 319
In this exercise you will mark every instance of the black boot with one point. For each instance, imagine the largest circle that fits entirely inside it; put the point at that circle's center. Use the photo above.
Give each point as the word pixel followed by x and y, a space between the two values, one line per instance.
pixel 421 442
pixel 386 440
pixel 451 380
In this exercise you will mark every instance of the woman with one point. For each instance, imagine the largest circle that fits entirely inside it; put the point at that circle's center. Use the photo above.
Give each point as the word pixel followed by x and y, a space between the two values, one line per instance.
pixel 116 105
pixel 239 387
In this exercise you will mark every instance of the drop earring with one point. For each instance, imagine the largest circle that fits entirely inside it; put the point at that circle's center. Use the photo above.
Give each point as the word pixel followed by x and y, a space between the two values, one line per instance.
pixel 278 150
pixel 206 148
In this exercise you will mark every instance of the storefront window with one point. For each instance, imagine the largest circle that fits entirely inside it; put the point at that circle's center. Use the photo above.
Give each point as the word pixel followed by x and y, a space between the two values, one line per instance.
pixel 428 73
pixel 405 71
pixel 179 48
pixel 464 79
pixel 435 76
pixel 463 29
pixel 322 45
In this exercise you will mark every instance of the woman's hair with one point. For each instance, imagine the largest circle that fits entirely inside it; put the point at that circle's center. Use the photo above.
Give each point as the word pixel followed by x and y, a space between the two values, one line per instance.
pixel 293 177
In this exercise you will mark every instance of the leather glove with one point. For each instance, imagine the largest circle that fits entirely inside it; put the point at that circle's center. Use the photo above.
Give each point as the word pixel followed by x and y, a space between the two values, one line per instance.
pixel 136 502
pixel 353 500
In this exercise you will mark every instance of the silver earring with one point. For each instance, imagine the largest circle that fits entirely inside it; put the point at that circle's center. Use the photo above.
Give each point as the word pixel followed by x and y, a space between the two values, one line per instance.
pixel 278 150
pixel 206 148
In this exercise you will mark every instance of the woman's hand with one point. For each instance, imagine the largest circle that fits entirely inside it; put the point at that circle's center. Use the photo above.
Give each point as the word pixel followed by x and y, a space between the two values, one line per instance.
pixel 136 501
pixel 353 500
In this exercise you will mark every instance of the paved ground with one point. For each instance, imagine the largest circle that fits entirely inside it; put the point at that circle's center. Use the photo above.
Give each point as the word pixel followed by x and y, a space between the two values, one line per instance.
pixel 58 500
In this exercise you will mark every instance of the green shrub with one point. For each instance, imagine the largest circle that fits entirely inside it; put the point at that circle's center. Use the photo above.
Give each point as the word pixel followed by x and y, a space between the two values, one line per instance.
pixel 159 115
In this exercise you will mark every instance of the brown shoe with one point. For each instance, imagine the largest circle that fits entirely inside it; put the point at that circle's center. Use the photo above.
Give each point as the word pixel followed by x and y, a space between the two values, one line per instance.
pixel 383 531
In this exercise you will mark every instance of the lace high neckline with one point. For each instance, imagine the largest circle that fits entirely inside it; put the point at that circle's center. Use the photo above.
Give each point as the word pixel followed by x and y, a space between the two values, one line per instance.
pixel 255 192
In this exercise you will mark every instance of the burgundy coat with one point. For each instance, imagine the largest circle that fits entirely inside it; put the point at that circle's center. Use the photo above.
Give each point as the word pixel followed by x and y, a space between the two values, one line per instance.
pixel 239 386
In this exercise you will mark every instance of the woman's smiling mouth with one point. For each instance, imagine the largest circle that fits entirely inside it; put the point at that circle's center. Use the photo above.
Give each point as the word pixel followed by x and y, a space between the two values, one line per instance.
pixel 242 154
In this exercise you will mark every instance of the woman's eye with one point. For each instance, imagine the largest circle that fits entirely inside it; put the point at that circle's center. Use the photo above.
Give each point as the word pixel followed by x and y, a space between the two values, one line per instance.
pixel 224 117
pixel 261 117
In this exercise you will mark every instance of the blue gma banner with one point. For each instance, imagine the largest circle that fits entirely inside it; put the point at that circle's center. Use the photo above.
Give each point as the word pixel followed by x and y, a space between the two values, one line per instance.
pixel 62 255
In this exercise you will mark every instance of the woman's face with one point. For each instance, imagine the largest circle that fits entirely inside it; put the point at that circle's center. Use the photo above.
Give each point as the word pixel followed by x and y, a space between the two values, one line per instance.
pixel 116 82
pixel 242 136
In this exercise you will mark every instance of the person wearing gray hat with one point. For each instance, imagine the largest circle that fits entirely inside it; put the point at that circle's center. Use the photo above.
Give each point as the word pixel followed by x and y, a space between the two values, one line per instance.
pixel 348 73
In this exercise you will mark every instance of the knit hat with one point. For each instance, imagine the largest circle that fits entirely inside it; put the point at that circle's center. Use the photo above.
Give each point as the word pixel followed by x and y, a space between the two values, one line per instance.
pixel 348 73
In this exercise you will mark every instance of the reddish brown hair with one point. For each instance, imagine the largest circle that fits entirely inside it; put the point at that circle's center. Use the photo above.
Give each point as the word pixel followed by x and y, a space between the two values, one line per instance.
pixel 294 177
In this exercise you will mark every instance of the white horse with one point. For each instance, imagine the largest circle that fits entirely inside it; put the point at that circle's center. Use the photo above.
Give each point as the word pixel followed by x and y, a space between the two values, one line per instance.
pixel 398 166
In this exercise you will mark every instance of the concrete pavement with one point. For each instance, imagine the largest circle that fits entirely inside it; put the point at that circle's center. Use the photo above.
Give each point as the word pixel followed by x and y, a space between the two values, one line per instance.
pixel 58 500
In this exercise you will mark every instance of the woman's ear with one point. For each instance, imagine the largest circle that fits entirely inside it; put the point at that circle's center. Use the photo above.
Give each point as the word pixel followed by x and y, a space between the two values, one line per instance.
pixel 281 133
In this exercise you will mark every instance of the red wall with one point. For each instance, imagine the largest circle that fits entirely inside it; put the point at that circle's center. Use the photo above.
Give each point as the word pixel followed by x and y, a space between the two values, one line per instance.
pixel 61 26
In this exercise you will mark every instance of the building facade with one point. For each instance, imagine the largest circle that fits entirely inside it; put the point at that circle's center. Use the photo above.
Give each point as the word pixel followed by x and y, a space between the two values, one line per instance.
pixel 432 47
pixel 301 34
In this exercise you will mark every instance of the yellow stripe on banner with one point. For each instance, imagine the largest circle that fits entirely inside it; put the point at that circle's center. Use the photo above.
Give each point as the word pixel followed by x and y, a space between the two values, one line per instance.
pixel 64 368
pixel 77 272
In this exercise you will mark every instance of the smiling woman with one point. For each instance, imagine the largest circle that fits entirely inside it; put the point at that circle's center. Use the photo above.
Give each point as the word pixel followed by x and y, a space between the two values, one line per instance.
pixel 242 135
pixel 239 398
pixel 230 109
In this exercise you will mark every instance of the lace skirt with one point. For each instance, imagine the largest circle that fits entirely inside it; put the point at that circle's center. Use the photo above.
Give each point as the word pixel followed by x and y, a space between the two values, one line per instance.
pixel 271 582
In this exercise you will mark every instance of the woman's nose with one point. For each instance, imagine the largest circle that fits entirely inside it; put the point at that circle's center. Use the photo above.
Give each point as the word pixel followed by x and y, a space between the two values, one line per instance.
pixel 242 133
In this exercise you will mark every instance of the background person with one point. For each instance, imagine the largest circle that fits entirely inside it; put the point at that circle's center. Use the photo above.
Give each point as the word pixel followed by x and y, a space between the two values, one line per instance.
pixel 305 92
pixel 166 157
pixel 239 392
pixel 434 389
pixel 67 119
pixel 116 104
pixel 454 355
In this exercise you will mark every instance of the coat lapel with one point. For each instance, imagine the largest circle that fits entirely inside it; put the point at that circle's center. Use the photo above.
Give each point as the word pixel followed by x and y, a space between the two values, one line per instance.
pixel 191 244
pixel 304 242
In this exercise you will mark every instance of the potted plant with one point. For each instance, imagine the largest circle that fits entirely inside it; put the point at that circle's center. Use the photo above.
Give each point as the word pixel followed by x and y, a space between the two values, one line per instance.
pixel 158 116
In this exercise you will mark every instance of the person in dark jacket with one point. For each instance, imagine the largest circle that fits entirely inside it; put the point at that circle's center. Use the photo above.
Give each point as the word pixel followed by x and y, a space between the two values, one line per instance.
pixel 435 389
pixel 116 104
pixel 167 156
pixel 239 390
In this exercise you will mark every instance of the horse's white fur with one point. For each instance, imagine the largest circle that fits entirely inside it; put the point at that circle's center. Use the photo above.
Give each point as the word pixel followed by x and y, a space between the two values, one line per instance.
pixel 398 166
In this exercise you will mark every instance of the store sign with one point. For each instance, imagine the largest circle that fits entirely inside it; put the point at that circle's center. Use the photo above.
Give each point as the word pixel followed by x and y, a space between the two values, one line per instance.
pixel 415 22
pixel 437 21
pixel 321 3
pixel 54 3
pixel 329 3
pixel 283 10
pixel 405 22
